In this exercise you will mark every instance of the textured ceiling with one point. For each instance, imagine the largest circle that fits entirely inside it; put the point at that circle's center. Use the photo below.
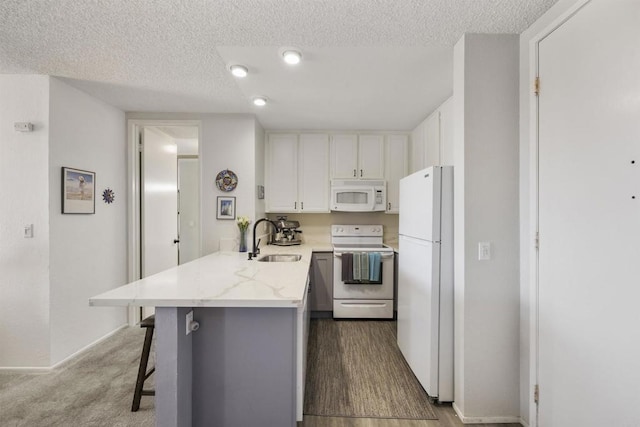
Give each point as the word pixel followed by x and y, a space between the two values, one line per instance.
pixel 172 55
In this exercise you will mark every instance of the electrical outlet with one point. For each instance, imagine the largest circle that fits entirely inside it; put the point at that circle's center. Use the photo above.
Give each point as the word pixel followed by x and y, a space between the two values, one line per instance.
pixel 484 251
pixel 189 321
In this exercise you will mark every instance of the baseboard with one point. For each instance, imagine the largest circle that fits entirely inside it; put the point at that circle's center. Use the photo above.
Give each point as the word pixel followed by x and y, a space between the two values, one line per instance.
pixel 524 423
pixel 485 420
pixel 43 370
pixel 24 370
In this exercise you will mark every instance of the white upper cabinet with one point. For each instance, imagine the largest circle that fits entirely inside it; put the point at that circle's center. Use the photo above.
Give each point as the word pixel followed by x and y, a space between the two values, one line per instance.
pixel 432 140
pixel 344 156
pixel 281 189
pixel 446 133
pixel 396 167
pixel 313 173
pixel 417 148
pixel 371 156
pixel 297 173
pixel 357 156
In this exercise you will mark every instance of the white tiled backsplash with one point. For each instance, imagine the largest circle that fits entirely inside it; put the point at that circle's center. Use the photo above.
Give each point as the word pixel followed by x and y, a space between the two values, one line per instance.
pixel 317 227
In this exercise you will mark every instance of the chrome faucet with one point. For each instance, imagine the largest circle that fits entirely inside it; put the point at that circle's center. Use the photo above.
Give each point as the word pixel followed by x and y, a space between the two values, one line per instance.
pixel 256 250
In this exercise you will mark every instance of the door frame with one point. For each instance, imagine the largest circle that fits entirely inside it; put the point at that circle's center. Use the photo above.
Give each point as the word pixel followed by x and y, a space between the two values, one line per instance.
pixel 533 226
pixel 134 226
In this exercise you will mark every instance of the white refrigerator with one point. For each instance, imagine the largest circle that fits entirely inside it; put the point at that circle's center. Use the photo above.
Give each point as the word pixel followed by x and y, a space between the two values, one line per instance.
pixel 425 278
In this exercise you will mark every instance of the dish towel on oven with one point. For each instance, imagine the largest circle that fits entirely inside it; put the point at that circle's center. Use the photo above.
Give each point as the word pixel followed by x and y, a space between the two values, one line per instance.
pixel 360 267
pixel 347 267
pixel 357 266
pixel 374 266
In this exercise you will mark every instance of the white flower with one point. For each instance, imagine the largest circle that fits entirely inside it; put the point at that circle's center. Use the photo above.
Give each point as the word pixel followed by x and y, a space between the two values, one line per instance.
pixel 243 222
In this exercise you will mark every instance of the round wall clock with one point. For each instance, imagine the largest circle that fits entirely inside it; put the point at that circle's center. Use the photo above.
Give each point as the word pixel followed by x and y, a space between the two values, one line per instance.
pixel 226 180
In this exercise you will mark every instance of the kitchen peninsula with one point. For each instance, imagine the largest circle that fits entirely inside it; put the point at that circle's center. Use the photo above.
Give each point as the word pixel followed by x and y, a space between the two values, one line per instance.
pixel 245 364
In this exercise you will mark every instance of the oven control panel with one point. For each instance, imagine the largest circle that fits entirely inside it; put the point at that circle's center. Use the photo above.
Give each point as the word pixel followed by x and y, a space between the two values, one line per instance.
pixel 356 230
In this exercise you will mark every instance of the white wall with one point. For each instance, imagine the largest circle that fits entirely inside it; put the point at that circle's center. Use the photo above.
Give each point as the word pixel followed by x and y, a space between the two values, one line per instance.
pixel 486 186
pixel 24 263
pixel 527 157
pixel 88 252
pixel 228 142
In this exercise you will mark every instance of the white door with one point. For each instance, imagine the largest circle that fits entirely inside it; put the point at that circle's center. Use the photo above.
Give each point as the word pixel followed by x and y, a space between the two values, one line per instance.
pixel 188 209
pixel 395 169
pixel 419 309
pixel 344 156
pixel 420 204
pixel 159 203
pixel 371 156
pixel 589 219
pixel 282 173
pixel 313 173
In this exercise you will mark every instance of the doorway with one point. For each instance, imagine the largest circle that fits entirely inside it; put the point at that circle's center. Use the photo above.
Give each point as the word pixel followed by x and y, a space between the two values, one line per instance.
pixel 164 220
pixel 589 218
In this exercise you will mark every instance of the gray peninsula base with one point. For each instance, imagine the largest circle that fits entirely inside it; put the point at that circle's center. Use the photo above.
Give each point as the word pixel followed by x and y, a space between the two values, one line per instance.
pixel 237 369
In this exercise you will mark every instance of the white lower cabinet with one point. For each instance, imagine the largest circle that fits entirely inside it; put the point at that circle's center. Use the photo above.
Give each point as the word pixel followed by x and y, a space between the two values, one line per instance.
pixel 297 173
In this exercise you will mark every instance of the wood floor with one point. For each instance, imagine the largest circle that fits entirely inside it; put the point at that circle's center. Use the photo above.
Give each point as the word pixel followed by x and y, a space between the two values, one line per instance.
pixel 324 334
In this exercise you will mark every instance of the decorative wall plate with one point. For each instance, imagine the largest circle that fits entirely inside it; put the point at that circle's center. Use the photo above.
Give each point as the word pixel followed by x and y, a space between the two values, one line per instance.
pixel 226 180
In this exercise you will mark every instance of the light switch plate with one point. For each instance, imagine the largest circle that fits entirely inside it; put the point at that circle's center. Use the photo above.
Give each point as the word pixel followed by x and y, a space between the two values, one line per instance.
pixel 484 251
pixel 28 231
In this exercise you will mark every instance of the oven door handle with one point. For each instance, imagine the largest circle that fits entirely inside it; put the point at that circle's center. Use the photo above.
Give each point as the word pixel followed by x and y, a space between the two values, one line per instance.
pixel 383 256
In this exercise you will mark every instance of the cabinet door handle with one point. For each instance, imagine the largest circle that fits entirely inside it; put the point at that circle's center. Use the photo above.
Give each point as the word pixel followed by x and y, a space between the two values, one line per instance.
pixel 354 173
pixel 389 205
pixel 295 205
pixel 360 173
pixel 301 205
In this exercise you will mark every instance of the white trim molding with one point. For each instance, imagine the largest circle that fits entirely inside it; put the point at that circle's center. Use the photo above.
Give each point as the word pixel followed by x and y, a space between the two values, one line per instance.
pixel 485 420
pixel 133 196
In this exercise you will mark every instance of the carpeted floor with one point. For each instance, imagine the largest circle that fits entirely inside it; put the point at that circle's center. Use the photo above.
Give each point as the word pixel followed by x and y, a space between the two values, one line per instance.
pixel 355 369
pixel 93 390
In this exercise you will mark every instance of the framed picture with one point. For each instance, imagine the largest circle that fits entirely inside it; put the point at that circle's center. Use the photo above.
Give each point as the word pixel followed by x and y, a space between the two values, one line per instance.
pixel 226 208
pixel 78 191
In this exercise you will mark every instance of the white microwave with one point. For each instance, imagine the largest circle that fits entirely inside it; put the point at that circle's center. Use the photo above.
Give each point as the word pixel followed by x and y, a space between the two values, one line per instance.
pixel 358 195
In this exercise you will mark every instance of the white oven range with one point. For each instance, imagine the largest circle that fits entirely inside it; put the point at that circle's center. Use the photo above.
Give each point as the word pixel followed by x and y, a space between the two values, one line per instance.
pixel 361 300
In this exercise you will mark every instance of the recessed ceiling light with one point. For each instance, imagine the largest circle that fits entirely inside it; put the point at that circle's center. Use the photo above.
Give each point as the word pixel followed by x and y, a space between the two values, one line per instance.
pixel 291 57
pixel 260 101
pixel 239 70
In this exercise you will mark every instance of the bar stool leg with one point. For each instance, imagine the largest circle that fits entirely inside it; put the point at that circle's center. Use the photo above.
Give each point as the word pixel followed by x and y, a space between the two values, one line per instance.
pixel 142 370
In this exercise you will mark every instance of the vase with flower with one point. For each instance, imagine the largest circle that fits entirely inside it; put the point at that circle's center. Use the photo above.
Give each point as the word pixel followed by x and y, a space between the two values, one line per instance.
pixel 243 224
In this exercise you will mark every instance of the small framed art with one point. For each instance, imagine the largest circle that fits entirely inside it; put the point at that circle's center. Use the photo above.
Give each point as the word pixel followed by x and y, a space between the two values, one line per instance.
pixel 226 208
pixel 78 191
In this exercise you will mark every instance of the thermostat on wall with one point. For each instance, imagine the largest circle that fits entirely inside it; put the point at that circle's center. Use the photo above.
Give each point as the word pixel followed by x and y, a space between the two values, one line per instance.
pixel 23 126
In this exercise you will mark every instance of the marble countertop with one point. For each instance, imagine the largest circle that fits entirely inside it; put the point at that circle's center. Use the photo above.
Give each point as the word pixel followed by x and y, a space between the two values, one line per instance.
pixel 222 279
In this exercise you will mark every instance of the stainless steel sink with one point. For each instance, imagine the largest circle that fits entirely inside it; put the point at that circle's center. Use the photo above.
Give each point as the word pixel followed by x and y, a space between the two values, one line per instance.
pixel 280 258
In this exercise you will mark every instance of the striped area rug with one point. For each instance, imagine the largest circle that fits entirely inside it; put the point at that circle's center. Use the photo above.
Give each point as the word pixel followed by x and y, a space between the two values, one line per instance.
pixel 355 369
